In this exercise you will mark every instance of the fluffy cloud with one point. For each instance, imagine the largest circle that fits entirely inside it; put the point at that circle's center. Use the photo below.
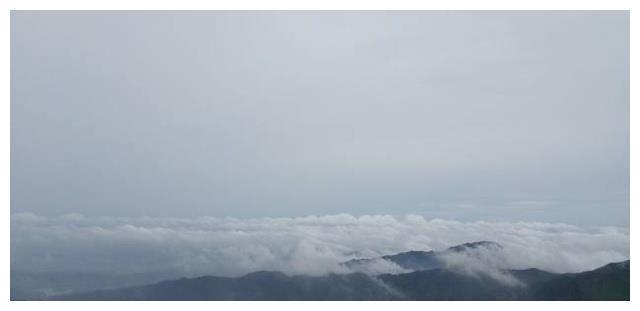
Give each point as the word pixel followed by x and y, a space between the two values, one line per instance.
pixel 309 245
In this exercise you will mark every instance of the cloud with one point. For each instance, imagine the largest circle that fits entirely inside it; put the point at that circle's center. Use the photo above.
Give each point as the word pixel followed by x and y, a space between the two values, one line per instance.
pixel 377 266
pixel 485 260
pixel 307 245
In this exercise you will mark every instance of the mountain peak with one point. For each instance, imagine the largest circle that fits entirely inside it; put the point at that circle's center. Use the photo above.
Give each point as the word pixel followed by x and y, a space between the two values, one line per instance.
pixel 420 260
pixel 474 245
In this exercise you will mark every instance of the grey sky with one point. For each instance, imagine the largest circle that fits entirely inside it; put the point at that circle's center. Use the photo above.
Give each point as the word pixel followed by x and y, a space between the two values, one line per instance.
pixel 460 115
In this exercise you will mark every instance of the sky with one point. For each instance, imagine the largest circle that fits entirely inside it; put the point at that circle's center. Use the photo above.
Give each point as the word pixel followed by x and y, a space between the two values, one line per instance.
pixel 468 116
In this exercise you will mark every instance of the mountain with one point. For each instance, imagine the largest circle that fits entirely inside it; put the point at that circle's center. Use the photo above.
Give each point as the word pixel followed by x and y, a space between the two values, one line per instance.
pixel 26 285
pixel 263 285
pixel 610 282
pixel 422 260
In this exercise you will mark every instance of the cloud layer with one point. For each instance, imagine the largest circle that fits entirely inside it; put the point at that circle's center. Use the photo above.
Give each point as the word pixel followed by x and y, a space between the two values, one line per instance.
pixel 307 245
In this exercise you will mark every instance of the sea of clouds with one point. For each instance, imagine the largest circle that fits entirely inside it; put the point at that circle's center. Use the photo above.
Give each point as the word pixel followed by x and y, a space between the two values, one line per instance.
pixel 307 245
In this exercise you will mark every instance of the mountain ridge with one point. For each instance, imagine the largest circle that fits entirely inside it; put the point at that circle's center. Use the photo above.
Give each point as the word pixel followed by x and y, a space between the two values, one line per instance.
pixel 421 260
pixel 439 282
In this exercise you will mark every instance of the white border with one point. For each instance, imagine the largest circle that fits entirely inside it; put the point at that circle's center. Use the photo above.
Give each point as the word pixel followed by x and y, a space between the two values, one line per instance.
pixel 320 5
pixel 303 5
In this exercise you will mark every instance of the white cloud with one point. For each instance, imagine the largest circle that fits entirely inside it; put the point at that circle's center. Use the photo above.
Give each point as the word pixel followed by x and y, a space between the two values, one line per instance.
pixel 309 245
pixel 487 260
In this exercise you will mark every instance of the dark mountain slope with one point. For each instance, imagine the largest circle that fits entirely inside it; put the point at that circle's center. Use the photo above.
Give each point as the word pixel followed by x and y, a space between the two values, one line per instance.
pixel 254 286
pixel 610 282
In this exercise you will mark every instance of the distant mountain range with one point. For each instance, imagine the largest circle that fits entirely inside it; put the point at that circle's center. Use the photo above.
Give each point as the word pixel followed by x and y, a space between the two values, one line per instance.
pixel 429 279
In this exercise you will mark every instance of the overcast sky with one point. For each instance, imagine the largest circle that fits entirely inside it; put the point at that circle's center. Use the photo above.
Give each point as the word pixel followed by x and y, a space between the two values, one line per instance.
pixel 458 115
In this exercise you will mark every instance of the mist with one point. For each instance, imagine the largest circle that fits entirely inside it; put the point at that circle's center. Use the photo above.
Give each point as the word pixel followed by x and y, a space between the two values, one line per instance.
pixel 308 245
